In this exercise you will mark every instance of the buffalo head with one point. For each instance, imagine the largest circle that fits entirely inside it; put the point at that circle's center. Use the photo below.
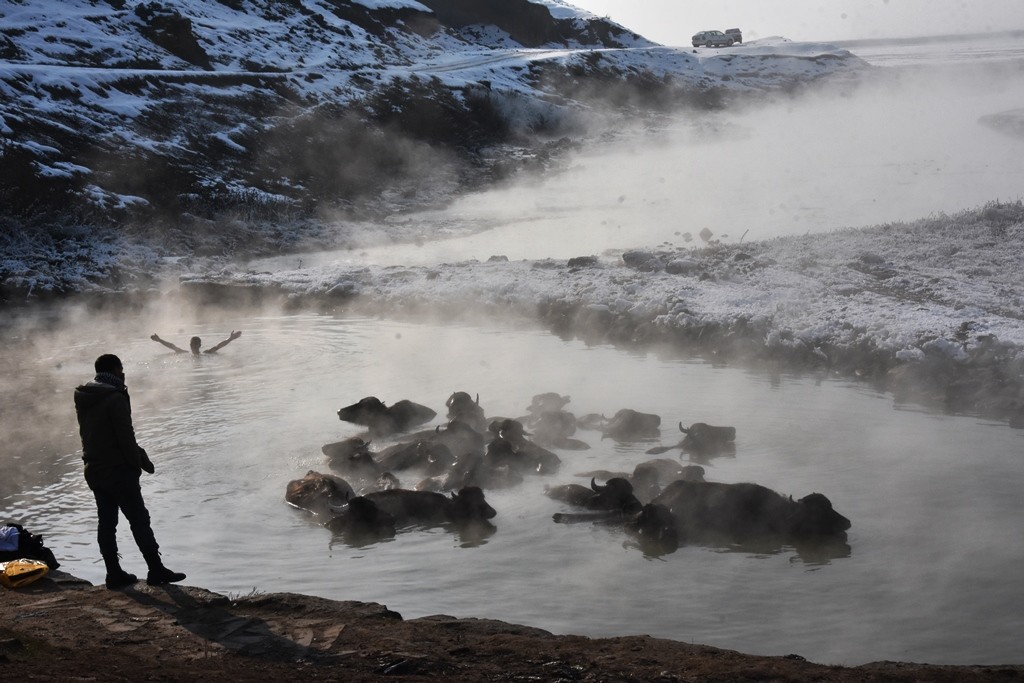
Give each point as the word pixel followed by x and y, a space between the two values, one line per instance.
pixel 655 529
pixel 317 492
pixel 615 494
pixel 469 504
pixel 363 411
pixel 814 517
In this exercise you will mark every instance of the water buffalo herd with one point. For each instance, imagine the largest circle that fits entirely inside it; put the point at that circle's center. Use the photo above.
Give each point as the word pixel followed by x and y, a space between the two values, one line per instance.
pixel 438 476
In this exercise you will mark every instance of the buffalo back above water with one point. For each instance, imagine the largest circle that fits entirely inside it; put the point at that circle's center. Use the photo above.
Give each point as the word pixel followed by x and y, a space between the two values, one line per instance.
pixel 702 439
pixel 383 420
pixel 631 425
pixel 361 521
pixel 748 512
pixel 428 507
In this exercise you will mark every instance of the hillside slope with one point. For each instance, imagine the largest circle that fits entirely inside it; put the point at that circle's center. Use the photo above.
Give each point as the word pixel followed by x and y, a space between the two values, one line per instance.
pixel 125 113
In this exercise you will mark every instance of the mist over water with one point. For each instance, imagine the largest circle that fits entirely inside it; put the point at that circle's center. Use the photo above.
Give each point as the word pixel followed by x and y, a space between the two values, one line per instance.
pixel 931 572
pixel 901 142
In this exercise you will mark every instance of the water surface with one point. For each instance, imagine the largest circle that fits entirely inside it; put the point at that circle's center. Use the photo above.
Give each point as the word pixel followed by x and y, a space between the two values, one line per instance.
pixel 931 573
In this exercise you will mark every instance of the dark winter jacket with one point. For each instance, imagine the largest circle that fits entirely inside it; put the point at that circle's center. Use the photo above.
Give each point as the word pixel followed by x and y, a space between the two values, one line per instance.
pixel 105 424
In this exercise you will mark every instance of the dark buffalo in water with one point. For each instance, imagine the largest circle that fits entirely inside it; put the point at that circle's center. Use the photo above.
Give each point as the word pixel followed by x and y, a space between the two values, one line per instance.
pixel 360 521
pixel 652 526
pixel 702 441
pixel 458 436
pixel 318 493
pixel 654 529
pixel 550 424
pixel 650 476
pixel 631 425
pixel 547 402
pixel 467 506
pixel 426 457
pixel 707 512
pixel 382 420
pixel 464 408
pixel 352 457
pixel 555 429
pixel 614 495
pixel 511 447
pixel 473 469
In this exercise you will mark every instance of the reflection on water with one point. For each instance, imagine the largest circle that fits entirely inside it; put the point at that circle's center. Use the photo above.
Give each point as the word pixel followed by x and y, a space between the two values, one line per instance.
pixel 930 573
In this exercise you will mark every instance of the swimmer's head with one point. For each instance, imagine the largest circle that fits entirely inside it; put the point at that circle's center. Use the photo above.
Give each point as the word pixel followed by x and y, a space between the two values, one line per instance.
pixel 194 343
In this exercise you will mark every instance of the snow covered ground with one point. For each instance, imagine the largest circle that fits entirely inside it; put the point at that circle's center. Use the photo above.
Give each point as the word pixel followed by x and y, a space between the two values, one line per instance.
pixel 944 287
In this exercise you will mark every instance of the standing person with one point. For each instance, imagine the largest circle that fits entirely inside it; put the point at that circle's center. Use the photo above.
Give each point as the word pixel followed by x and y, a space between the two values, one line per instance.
pixel 195 342
pixel 114 461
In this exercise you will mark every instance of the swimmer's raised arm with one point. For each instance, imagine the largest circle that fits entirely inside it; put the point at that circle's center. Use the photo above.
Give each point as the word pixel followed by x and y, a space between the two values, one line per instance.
pixel 234 335
pixel 172 347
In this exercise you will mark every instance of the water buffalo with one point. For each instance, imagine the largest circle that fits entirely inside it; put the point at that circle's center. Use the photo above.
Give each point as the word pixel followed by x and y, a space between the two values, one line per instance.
pixel 649 476
pixel 458 436
pixel 707 512
pixel 318 493
pixel 360 521
pixel 511 447
pixel 550 424
pixel 704 441
pixel 631 425
pixel 473 469
pixel 655 528
pixel 462 407
pixel 428 457
pixel 547 403
pixel 615 495
pixel 351 457
pixel 467 506
pixel 382 420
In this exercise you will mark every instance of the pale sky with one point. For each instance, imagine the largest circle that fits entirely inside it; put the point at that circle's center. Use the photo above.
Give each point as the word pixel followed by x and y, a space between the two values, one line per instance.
pixel 672 22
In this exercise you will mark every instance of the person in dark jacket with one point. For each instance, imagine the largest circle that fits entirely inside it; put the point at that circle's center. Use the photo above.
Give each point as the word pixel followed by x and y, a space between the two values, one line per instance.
pixel 195 342
pixel 114 462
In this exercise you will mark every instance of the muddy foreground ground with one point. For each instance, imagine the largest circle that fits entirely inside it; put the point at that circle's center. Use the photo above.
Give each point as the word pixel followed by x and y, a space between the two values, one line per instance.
pixel 61 628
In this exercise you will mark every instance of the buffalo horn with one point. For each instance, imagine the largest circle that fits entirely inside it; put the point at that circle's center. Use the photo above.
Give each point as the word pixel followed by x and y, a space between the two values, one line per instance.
pixel 684 431
pixel 594 485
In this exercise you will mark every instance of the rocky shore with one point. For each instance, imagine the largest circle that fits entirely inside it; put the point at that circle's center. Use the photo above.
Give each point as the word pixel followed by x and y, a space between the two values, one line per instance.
pixel 63 628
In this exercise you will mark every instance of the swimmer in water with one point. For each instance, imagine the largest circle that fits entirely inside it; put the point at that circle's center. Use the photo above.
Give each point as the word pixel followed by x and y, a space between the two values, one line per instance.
pixel 195 342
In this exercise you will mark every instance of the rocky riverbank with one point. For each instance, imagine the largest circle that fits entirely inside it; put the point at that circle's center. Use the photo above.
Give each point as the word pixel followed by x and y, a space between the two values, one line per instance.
pixel 63 628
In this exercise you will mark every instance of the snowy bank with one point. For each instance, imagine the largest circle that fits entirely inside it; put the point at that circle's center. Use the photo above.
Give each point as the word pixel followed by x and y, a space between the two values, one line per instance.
pixel 932 308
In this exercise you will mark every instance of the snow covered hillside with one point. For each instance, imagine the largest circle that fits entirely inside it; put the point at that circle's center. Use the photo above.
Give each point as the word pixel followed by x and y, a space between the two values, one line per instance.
pixel 184 112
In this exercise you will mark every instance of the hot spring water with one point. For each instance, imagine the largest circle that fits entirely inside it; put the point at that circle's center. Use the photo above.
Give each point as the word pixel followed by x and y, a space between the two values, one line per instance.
pixel 931 574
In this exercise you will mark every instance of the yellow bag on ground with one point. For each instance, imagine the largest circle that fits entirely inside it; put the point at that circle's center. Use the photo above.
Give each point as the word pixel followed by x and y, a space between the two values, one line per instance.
pixel 17 573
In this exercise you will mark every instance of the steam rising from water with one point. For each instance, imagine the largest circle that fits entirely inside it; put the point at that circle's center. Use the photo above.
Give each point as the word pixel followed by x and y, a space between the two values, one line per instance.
pixel 894 145
pixel 227 433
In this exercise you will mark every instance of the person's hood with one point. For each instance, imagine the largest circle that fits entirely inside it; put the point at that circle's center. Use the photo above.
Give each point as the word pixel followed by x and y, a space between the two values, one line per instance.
pixel 93 393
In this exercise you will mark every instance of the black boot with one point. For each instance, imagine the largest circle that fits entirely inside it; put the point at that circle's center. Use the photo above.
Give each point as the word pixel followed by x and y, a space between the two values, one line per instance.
pixel 159 574
pixel 116 577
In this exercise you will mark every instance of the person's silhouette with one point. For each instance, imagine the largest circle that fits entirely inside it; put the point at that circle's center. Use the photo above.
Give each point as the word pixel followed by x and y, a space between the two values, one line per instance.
pixel 195 342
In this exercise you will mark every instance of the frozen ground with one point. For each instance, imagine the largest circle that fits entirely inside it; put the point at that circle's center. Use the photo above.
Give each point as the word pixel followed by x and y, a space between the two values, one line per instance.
pixel 937 304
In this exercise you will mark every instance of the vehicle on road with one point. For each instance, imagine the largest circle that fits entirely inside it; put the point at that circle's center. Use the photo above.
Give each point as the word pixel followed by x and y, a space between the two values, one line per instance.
pixel 736 34
pixel 712 39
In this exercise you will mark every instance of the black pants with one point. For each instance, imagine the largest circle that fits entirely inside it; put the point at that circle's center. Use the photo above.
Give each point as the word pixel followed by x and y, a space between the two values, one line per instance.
pixel 118 490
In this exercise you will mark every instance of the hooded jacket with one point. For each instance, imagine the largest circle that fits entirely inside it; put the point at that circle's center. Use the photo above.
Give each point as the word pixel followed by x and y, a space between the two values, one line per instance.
pixel 105 425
